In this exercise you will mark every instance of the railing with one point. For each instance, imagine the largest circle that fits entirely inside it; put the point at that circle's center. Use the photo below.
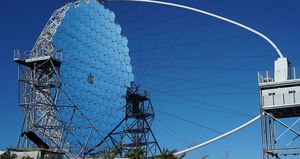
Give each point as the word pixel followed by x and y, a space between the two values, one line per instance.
pixel 284 99
pixel 265 77
pixel 268 76
pixel 17 55
pixel 58 55
pixel 26 55
pixel 295 73
pixel 21 56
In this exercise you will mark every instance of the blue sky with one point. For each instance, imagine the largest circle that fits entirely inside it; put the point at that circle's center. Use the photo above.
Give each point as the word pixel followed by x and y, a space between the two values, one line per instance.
pixel 211 82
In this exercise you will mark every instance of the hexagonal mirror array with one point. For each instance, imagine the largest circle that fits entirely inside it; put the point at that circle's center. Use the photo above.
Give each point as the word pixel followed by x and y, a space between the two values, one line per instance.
pixel 96 64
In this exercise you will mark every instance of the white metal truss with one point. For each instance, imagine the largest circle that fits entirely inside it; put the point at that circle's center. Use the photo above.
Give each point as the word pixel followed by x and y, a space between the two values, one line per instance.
pixel 280 137
pixel 43 45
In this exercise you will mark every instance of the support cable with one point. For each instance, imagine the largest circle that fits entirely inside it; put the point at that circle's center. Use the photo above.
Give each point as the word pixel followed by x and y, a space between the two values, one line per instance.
pixel 190 122
pixel 212 15
pixel 218 137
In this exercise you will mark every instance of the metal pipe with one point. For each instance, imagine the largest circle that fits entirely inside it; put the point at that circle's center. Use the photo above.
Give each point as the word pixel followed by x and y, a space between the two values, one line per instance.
pixel 285 125
pixel 212 15
pixel 217 138
pixel 294 71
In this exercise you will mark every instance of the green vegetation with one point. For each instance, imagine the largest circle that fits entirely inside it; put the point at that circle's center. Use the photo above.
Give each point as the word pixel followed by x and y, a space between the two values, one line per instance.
pixel 137 153
pixel 27 157
pixel 166 154
pixel 7 155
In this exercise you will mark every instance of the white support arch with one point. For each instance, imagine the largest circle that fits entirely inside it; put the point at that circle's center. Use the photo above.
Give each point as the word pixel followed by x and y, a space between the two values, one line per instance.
pixel 229 21
pixel 212 15
pixel 218 137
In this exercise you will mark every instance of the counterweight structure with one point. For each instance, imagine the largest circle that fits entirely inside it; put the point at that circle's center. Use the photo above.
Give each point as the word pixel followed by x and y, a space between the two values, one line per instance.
pixel 280 111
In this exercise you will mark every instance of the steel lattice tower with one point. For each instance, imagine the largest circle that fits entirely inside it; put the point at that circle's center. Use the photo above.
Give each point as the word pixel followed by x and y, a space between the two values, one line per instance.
pixel 48 126
pixel 40 84
pixel 134 131
pixel 280 111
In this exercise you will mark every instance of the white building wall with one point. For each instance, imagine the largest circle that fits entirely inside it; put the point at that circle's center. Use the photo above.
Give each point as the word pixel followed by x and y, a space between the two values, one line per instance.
pixel 281 96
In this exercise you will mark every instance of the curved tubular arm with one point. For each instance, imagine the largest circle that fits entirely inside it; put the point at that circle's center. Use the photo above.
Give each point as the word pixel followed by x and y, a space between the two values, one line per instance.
pixel 212 15
pixel 218 138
